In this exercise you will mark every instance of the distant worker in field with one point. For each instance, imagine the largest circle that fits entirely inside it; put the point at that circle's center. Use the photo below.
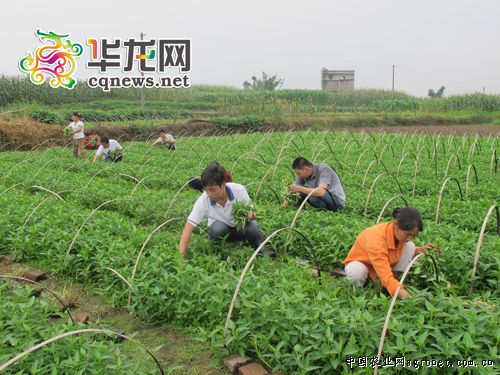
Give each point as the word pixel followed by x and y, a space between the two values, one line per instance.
pixel 195 182
pixel 166 140
pixel 385 250
pixel 77 134
pixel 216 203
pixel 110 150
pixel 330 195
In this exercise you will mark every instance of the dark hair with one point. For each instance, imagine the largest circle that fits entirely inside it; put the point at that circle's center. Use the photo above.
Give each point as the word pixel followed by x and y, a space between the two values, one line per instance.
pixel 104 139
pixel 213 174
pixel 408 218
pixel 162 131
pixel 76 114
pixel 301 163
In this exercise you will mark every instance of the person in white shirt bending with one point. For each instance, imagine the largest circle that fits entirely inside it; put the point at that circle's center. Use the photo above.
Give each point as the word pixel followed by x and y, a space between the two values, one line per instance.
pixel 110 150
pixel 76 126
pixel 165 139
pixel 216 204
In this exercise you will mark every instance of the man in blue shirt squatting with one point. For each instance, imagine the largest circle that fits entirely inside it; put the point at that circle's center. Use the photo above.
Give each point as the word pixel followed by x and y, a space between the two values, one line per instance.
pixel 310 176
pixel 216 204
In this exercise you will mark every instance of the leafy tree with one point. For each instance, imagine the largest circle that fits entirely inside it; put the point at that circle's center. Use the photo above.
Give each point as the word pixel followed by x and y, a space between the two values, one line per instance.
pixel 438 94
pixel 267 83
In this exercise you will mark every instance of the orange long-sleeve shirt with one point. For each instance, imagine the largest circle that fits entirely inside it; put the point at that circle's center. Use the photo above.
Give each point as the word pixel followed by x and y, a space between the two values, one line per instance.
pixel 376 248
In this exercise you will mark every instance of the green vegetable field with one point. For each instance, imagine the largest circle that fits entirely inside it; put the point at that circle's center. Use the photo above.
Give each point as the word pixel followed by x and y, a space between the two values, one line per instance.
pixel 101 224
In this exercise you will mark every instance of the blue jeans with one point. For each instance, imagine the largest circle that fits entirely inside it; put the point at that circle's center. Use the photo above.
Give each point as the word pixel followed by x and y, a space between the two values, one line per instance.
pixel 327 202
pixel 251 233
pixel 109 159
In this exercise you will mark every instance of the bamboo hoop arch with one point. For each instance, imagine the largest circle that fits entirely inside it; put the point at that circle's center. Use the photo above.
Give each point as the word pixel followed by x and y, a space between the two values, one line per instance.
pixel 472 150
pixel 401 161
pixel 41 144
pixel 135 179
pixel 349 149
pixel 301 206
pixel 140 182
pixel 387 145
pixel 82 225
pixel 49 191
pixel 373 186
pixel 120 276
pixel 441 194
pixel 387 204
pixel 274 192
pixel 451 138
pixel 134 270
pixel 4 145
pixel 247 266
pixel 494 161
pixel 414 183
pixel 273 168
pixel 72 333
pixel 17 165
pixel 237 160
pixel 471 166
pixel 393 302
pixel 480 240
pixel 34 210
pixel 177 193
pixel 18 147
pixel 359 159
pixel 11 187
pixel 19 278
pixel 99 171
pixel 377 161
pixel 449 161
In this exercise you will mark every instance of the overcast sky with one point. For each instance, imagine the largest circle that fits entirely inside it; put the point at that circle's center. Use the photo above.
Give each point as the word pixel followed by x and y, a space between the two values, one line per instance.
pixel 432 42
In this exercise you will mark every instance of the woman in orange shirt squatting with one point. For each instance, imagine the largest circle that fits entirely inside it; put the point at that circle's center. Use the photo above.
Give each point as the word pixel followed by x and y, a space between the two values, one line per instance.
pixel 385 249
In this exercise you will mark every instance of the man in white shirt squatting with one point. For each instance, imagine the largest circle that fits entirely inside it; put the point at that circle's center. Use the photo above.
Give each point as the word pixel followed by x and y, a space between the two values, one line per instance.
pixel 166 140
pixel 216 204
pixel 110 150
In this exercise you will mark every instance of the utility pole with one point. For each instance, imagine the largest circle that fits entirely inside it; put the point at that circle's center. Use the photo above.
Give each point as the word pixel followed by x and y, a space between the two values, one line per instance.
pixel 142 87
pixel 393 66
pixel 484 89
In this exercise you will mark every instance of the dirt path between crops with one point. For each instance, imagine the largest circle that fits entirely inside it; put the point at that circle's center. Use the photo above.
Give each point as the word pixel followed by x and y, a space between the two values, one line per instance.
pixel 26 134
pixel 180 353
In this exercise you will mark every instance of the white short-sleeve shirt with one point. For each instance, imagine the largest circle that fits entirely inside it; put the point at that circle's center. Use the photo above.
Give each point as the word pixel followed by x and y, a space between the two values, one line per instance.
pixel 74 126
pixel 104 151
pixel 168 139
pixel 206 208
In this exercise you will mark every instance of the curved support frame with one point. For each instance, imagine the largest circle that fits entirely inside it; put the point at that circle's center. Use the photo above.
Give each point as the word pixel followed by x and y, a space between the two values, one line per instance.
pixel 393 302
pixel 72 333
pixel 387 204
pixel 134 270
pixel 471 166
pixel 480 240
pixel 449 163
pixel 441 194
pixel 49 191
pixel 247 266
pixel 120 276
pixel 377 161
pixel 494 161
pixel 82 225
pixel 19 278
